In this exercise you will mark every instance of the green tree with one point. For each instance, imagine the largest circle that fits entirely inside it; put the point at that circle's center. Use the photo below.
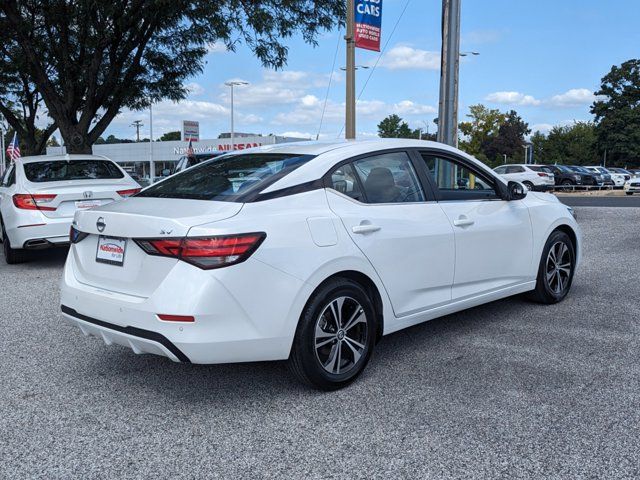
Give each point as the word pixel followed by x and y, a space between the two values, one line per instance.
pixel 483 124
pixel 394 127
pixel 617 113
pixel 509 140
pixel 574 144
pixel 169 136
pixel 538 143
pixel 89 59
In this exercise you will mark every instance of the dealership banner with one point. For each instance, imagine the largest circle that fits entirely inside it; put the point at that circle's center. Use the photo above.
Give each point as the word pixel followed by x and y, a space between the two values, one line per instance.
pixel 190 131
pixel 368 24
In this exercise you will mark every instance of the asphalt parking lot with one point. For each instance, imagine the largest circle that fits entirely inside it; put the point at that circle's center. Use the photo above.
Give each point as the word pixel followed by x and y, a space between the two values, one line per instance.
pixel 509 389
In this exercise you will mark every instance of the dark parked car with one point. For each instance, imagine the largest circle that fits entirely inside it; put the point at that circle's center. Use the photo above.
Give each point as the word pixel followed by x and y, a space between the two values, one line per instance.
pixel 588 177
pixel 564 175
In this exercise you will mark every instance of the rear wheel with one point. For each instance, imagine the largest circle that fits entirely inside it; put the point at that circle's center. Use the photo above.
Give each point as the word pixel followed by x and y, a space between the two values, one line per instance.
pixel 528 184
pixel 629 193
pixel 335 336
pixel 555 273
pixel 567 183
pixel 11 255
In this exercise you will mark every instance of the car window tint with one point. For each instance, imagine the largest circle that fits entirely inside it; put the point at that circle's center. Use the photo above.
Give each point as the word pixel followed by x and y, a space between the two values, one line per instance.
pixel 456 181
pixel 500 170
pixel 389 178
pixel 39 172
pixel 343 180
pixel 227 178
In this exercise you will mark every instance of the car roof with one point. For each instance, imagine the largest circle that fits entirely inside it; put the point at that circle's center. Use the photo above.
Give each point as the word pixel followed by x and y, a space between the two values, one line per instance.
pixel 328 153
pixel 61 158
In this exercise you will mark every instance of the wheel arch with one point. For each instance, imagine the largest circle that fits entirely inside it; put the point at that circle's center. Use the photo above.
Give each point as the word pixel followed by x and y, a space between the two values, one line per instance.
pixel 572 235
pixel 369 286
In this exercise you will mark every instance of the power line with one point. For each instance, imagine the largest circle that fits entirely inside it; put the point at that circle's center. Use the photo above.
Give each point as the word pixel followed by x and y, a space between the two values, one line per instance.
pixel 384 48
pixel 326 97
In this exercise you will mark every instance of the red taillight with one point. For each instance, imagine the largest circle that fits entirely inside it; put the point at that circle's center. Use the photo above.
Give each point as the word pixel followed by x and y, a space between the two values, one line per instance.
pixel 176 318
pixel 540 174
pixel 128 193
pixel 206 253
pixel 26 201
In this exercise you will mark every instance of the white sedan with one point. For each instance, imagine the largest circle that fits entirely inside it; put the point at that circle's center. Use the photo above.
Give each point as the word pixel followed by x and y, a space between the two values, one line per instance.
pixel 40 195
pixel 325 248
pixel 534 177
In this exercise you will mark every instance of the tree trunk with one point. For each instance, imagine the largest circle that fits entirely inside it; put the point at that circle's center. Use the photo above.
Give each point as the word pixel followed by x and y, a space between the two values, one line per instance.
pixel 76 141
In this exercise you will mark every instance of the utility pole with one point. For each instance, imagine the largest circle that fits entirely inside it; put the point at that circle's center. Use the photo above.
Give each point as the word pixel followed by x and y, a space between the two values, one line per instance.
pixel 137 124
pixel 449 72
pixel 152 163
pixel 350 111
pixel 231 85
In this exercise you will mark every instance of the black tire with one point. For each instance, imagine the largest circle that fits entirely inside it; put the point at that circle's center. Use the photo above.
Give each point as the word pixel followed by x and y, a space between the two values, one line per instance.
pixel 306 361
pixel 629 193
pixel 11 255
pixel 555 278
pixel 567 183
pixel 529 185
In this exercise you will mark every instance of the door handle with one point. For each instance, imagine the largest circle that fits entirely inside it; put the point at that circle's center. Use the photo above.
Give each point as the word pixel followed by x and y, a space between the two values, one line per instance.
pixel 364 229
pixel 463 221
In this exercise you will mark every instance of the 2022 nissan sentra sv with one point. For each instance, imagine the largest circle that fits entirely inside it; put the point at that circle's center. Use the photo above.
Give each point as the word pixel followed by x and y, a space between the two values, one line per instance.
pixel 311 252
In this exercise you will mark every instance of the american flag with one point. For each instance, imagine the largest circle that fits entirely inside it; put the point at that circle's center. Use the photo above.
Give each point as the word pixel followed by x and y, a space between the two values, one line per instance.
pixel 190 149
pixel 13 149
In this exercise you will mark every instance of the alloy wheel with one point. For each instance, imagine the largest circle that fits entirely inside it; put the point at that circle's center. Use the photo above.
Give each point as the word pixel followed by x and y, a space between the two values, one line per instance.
pixel 341 333
pixel 558 268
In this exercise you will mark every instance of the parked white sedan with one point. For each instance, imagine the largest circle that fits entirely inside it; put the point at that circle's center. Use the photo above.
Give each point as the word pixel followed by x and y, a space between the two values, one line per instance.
pixel 40 195
pixel 324 248
pixel 534 177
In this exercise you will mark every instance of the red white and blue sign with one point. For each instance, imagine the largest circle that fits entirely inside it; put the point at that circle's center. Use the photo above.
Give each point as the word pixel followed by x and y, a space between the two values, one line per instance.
pixel 368 24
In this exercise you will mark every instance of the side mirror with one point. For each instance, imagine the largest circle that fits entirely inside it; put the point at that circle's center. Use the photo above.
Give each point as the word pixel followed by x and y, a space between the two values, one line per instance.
pixel 517 191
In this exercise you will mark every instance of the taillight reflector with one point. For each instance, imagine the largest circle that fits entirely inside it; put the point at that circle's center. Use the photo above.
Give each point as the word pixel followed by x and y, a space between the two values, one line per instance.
pixel 76 236
pixel 206 253
pixel 129 192
pixel 540 174
pixel 176 318
pixel 26 201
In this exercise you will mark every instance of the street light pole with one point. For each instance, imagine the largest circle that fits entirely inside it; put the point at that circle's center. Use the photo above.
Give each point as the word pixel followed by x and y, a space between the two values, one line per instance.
pixel 350 109
pixel 231 85
pixel 450 68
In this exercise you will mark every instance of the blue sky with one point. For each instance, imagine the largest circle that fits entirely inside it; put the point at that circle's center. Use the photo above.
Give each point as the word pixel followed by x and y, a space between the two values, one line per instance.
pixel 543 58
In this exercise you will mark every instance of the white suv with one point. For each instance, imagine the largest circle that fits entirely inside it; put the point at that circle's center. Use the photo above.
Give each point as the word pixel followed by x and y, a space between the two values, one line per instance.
pixel 40 195
pixel 534 177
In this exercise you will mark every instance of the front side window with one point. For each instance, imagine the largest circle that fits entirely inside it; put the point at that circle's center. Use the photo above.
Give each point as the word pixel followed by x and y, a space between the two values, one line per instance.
pixel 227 179
pixel 389 178
pixel 455 181
pixel 60 170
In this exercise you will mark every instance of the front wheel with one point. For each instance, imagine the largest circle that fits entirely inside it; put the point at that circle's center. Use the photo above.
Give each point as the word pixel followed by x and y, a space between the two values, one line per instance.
pixel 557 266
pixel 335 336
pixel 629 193
pixel 528 184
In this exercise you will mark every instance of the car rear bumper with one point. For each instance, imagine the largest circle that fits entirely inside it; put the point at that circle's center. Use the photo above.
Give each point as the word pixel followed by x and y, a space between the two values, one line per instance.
pixel 234 322
pixel 36 233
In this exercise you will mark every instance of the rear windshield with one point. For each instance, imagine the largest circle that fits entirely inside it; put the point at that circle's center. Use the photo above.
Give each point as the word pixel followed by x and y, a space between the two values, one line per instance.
pixel 39 172
pixel 227 179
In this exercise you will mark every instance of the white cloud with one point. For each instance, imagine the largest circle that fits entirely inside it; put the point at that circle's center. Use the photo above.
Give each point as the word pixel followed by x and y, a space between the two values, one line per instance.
pixel 575 97
pixel 512 98
pixel 297 134
pixel 541 127
pixel 194 89
pixel 404 57
pixel 217 47
pixel 407 107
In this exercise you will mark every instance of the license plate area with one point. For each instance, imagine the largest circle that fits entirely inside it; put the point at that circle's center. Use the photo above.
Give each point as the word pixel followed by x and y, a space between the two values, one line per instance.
pixel 111 250
pixel 86 204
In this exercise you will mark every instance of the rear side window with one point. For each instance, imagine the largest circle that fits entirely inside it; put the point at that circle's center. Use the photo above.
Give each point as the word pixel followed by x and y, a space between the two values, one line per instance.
pixel 229 178
pixel 389 178
pixel 39 172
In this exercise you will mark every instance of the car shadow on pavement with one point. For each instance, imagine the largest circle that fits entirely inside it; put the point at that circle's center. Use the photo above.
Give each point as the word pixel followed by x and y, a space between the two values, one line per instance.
pixel 395 357
pixel 53 258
